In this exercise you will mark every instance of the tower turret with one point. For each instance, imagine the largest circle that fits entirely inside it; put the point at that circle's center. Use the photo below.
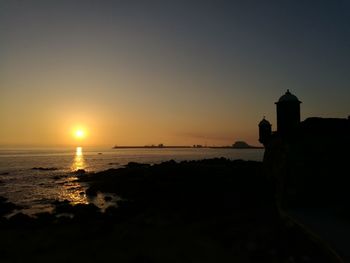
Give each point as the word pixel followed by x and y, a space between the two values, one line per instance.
pixel 288 113
pixel 264 131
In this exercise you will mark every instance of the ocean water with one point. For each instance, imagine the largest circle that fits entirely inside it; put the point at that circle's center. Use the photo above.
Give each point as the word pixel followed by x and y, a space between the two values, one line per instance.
pixel 34 178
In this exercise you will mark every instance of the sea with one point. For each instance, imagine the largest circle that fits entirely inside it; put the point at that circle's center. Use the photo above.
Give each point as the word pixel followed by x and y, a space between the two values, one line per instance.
pixel 34 178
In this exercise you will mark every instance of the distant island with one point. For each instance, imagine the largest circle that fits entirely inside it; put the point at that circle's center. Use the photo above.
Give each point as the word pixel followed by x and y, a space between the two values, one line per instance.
pixel 244 145
pixel 236 145
pixel 150 146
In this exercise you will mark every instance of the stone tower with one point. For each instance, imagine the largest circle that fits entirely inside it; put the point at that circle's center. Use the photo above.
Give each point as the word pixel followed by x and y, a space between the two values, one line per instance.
pixel 264 131
pixel 288 114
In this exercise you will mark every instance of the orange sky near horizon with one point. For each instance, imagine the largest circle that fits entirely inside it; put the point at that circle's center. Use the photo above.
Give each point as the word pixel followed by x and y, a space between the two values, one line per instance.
pixel 104 127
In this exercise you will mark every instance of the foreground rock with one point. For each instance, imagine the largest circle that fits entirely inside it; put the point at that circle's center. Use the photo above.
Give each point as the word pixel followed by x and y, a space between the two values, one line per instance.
pixel 200 211
pixel 6 207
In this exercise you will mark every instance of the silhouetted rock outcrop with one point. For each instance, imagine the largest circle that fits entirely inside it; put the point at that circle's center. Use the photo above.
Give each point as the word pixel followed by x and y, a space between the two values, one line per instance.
pixel 6 207
pixel 241 145
pixel 213 210
pixel 45 168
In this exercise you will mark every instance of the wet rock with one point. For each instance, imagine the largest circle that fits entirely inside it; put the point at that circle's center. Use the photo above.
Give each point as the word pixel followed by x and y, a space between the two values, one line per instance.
pixel 61 206
pixel 44 218
pixel 213 204
pixel 80 172
pixel 91 191
pixel 137 165
pixel 7 207
pixel 108 198
pixel 112 211
pixel 21 219
pixel 45 168
pixel 85 211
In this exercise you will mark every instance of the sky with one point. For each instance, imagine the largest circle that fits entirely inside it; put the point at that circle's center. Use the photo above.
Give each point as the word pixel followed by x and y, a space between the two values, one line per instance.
pixel 171 72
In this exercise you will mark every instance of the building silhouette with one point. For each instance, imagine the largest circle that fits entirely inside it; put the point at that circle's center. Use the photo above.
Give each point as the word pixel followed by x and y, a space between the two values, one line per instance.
pixel 288 113
pixel 264 131
pixel 306 159
pixel 288 118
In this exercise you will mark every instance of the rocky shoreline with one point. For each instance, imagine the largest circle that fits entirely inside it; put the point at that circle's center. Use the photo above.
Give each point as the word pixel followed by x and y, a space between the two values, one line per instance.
pixel 213 210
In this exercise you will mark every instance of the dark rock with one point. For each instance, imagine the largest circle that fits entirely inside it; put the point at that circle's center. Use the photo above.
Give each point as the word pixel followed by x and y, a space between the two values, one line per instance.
pixel 21 219
pixel 45 218
pixel 241 145
pixel 83 210
pixel 108 198
pixel 137 165
pixel 45 168
pixel 80 172
pixel 91 191
pixel 169 207
pixel 113 163
pixel 78 210
pixel 7 207
pixel 61 204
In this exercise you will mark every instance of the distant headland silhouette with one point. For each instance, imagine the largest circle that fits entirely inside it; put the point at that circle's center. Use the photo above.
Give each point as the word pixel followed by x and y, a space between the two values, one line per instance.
pixel 236 145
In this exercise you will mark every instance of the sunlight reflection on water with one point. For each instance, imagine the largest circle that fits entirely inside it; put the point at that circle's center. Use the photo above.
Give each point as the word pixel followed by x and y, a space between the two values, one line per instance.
pixel 78 162
pixel 73 190
pixel 37 189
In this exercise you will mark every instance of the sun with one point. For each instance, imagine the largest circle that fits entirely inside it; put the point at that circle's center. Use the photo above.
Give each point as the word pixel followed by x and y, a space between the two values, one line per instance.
pixel 79 134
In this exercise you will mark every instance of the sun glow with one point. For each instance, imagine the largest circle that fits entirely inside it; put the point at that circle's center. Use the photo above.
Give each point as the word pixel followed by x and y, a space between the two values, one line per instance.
pixel 79 134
